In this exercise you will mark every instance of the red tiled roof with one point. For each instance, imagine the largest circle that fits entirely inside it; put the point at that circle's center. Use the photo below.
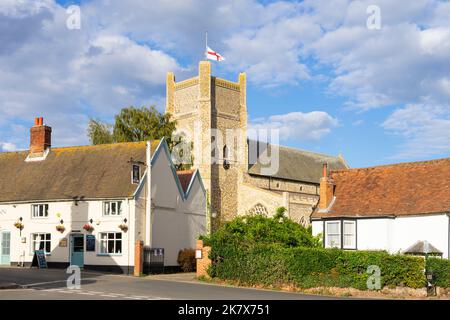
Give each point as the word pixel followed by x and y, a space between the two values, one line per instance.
pixel 185 178
pixel 414 188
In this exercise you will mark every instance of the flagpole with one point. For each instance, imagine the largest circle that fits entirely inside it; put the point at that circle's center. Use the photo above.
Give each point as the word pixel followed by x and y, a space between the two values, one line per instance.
pixel 206 45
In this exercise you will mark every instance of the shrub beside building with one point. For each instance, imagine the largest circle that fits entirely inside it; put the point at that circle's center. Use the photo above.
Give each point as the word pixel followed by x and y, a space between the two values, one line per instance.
pixel 256 250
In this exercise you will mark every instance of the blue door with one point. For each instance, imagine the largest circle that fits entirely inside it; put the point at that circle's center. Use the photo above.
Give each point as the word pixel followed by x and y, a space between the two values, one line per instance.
pixel 77 250
pixel 5 247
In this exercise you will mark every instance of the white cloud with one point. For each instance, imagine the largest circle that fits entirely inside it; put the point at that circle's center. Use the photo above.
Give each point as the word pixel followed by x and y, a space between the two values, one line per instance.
pixel 68 75
pixel 424 126
pixel 7 147
pixel 401 63
pixel 298 126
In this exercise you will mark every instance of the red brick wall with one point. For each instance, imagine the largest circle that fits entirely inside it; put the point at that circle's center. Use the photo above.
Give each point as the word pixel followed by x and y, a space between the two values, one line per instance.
pixel 138 258
pixel 204 262
pixel 40 138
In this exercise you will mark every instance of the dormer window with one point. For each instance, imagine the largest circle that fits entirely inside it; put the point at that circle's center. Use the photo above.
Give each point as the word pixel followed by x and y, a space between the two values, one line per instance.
pixel 135 174
pixel 39 210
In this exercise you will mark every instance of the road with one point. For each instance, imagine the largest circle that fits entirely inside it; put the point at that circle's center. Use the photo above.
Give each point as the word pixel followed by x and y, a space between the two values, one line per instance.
pixel 51 284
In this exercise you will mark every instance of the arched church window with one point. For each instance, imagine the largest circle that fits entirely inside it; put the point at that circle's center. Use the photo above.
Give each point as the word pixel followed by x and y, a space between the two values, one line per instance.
pixel 258 209
pixel 226 162
pixel 225 152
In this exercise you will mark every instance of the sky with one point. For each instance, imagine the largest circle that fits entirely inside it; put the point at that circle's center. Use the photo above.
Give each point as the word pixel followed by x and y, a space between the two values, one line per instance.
pixel 320 71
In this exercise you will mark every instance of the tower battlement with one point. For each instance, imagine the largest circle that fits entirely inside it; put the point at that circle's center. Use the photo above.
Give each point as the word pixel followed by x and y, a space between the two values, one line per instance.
pixel 183 96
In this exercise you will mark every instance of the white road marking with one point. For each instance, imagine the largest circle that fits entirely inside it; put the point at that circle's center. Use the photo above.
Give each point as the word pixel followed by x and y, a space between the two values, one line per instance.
pixel 100 294
pixel 96 292
pixel 108 295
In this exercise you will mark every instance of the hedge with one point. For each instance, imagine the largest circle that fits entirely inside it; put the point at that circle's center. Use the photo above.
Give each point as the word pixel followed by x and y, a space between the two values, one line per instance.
pixel 275 265
pixel 440 268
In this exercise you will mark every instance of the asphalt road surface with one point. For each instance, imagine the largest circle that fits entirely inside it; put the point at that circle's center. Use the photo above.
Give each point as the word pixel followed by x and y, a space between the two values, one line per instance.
pixel 51 284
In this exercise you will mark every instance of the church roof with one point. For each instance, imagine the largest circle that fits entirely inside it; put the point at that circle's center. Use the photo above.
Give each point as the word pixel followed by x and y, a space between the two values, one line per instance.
pixel 101 171
pixel 299 165
pixel 413 188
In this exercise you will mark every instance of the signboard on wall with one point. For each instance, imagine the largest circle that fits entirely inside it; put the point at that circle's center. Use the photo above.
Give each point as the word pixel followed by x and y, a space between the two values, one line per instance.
pixel 63 242
pixel 90 242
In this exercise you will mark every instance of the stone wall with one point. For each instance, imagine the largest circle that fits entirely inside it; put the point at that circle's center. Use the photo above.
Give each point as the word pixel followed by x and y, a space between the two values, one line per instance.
pixel 303 197
pixel 253 199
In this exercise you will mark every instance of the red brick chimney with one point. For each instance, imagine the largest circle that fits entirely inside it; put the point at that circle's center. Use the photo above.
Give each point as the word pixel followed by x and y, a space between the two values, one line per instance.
pixel 326 189
pixel 40 137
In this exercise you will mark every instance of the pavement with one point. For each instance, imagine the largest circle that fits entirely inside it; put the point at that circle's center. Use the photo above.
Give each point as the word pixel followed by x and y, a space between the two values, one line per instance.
pixel 51 284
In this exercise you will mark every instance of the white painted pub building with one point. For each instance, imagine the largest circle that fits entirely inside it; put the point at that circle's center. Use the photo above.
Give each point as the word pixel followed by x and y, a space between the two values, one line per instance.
pixel 88 205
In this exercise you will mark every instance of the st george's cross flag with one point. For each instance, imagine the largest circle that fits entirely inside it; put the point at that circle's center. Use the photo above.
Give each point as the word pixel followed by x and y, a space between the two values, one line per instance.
pixel 212 55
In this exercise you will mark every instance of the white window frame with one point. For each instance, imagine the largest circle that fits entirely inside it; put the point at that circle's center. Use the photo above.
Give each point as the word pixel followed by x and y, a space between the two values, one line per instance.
pixel 339 234
pixel 45 207
pixel 107 212
pixel 34 241
pixel 103 247
pixel 349 234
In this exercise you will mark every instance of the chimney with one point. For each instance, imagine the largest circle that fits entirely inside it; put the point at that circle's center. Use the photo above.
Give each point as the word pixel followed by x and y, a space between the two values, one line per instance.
pixel 40 137
pixel 326 189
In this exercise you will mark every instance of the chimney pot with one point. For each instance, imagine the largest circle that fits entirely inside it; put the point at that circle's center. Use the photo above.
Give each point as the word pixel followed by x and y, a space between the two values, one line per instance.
pixel 41 121
pixel 36 121
pixel 325 170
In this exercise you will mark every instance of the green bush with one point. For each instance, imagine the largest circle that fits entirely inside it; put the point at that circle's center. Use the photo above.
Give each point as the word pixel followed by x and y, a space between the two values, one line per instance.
pixel 440 268
pixel 256 250
pixel 186 260
pixel 259 229
pixel 274 265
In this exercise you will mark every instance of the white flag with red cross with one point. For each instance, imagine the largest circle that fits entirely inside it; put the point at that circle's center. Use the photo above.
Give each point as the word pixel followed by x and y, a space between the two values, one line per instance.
pixel 212 55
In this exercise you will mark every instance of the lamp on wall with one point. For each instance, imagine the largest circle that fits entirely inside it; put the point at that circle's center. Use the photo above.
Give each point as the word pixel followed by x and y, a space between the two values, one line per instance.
pixel 125 220
pixel 91 221
pixel 61 221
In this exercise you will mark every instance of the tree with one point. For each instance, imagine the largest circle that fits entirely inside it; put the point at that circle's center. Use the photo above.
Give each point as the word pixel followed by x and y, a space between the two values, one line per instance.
pixel 99 133
pixel 141 124
pixel 136 124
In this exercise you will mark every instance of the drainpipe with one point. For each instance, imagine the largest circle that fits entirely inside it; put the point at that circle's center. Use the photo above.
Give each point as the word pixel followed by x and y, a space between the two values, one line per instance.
pixel 448 245
pixel 148 206
pixel 129 244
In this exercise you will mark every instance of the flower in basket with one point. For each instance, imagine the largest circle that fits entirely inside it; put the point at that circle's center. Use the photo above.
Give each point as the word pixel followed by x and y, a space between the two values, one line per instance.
pixel 19 225
pixel 123 227
pixel 60 228
pixel 88 227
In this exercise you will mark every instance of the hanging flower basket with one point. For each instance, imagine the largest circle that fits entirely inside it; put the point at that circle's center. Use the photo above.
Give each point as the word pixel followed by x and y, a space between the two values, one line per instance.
pixel 88 228
pixel 60 228
pixel 123 227
pixel 19 225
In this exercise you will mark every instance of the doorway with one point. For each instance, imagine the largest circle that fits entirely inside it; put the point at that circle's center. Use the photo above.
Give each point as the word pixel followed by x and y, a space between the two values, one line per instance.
pixel 5 247
pixel 77 250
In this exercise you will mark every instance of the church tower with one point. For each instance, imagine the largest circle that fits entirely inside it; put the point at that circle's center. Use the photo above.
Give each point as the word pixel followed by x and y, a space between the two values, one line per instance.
pixel 212 113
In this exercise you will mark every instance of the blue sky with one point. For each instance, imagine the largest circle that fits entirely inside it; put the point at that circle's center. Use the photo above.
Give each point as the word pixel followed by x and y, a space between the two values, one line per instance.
pixel 315 70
